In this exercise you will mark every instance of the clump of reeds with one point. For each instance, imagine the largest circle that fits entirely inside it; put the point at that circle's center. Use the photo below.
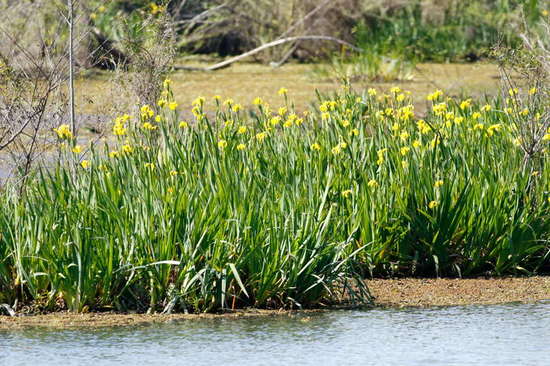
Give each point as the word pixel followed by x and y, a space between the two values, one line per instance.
pixel 269 207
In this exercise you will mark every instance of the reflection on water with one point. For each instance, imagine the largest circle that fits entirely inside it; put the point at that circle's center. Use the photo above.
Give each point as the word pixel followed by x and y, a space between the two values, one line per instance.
pixel 474 335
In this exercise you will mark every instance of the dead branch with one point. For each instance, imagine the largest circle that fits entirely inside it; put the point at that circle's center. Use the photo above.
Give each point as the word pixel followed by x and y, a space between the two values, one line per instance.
pixel 263 47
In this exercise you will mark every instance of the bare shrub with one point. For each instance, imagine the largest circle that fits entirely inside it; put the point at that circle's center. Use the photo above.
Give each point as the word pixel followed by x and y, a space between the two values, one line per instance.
pixel 32 74
pixel 35 68
pixel 235 26
pixel 528 68
pixel 150 56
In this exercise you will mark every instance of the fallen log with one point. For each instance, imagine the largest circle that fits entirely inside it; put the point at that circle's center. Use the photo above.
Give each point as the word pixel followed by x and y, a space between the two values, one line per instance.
pixel 277 42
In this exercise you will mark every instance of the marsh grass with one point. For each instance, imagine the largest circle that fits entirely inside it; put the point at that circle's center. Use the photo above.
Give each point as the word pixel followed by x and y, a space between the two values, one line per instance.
pixel 447 30
pixel 420 30
pixel 269 208
pixel 368 66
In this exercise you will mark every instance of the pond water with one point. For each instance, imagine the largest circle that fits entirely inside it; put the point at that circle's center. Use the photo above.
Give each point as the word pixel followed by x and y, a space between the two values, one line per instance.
pixel 470 335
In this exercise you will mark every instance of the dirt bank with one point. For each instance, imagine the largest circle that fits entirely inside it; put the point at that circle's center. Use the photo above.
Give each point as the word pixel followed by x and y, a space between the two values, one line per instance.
pixel 70 320
pixel 447 292
pixel 387 292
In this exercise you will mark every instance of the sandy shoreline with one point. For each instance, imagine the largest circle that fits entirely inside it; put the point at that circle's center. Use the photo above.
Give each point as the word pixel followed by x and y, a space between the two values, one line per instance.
pixel 407 292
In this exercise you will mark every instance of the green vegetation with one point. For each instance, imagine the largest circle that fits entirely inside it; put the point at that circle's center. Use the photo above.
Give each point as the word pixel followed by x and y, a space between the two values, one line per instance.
pixel 268 208
pixel 228 206
pixel 443 31
pixel 418 30
pixel 394 40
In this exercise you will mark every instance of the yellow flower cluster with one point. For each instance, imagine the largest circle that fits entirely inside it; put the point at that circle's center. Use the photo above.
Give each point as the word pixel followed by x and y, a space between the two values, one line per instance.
pixel 338 148
pixel 275 121
pixel 315 146
pixel 439 109
pixel 146 112
pixel 148 126
pixel 155 9
pixel 199 102
pixel 486 108
pixel 329 105
pixel 395 90
pixel 433 204
pixel 405 113
pixel 258 101
pixel 465 104
pixel 435 95
pixel 408 137
pixel 347 193
pixel 119 128
pixel 381 154
pixel 261 136
pixel 423 127
pixel 172 106
pixel 127 148
pixel 222 144
pixel 493 128
pixel 64 132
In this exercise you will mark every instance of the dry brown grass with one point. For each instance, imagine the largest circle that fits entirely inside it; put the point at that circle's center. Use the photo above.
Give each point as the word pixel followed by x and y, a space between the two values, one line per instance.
pixel 243 82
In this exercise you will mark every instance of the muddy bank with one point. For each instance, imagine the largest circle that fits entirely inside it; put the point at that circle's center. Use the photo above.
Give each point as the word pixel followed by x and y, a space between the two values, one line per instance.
pixel 387 292
pixel 448 292
pixel 70 320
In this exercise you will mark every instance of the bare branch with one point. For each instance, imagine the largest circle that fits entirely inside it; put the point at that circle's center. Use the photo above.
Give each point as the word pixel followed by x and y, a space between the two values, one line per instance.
pixel 266 46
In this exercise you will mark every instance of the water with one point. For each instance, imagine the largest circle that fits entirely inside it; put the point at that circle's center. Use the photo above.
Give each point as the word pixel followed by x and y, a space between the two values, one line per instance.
pixel 472 335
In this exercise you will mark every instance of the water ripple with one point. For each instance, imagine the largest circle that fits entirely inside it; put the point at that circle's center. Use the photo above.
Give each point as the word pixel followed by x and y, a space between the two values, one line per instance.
pixel 470 335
